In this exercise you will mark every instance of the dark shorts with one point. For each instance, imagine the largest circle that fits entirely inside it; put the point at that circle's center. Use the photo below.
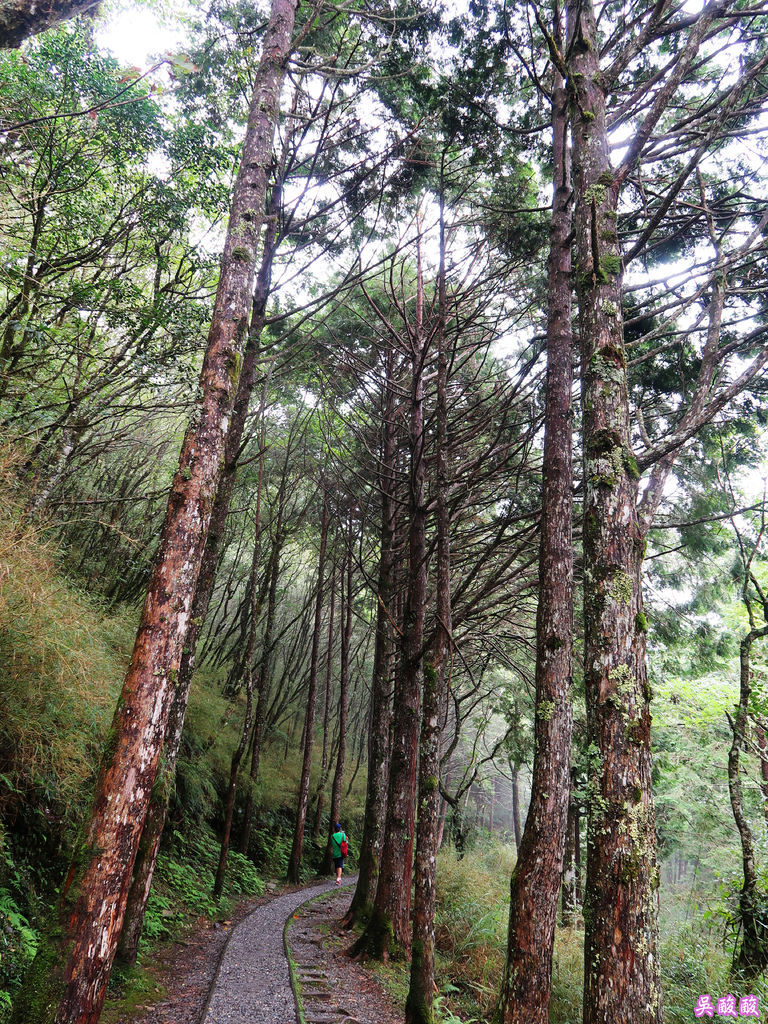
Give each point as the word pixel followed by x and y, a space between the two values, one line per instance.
pixel 338 862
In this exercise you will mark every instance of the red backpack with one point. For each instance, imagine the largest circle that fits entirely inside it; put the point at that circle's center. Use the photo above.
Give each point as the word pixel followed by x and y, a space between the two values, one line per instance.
pixel 344 847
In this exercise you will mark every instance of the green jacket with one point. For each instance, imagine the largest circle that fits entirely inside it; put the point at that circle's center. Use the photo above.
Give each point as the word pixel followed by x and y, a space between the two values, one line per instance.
pixel 336 840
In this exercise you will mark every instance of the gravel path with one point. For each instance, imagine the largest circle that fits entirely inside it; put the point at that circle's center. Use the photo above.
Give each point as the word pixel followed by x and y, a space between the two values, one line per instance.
pixel 252 984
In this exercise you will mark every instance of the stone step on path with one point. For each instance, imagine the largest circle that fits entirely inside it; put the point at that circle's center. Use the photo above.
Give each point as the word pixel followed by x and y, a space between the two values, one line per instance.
pixel 253 981
pixel 320 998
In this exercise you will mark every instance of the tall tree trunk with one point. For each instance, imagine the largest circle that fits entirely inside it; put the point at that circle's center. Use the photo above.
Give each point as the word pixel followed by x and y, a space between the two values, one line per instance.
pixel 419 1006
pixel 750 956
pixel 264 681
pixel 536 879
pixel 388 932
pixel 67 981
pixel 326 720
pixel 381 696
pixel 294 865
pixel 621 967
pixel 346 636
pixel 149 847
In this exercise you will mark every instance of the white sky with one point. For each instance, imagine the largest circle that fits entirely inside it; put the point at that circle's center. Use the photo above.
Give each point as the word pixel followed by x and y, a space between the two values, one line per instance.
pixel 136 34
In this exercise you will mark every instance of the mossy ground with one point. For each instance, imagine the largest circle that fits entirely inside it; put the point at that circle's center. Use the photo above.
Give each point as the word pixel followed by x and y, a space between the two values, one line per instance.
pixel 130 991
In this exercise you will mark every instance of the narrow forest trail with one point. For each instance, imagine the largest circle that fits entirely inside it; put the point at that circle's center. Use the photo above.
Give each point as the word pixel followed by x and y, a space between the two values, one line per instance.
pixel 253 983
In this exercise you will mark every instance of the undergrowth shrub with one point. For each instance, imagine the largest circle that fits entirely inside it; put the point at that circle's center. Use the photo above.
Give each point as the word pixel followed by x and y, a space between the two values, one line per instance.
pixel 18 939
pixel 565 1005
pixel 471 937
pixel 183 883
pixel 271 841
pixel 202 768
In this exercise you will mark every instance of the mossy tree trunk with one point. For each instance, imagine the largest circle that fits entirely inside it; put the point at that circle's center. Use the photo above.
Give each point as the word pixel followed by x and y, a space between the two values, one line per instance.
pixel 67 981
pixel 622 976
pixel 536 880
pixel 20 19
pixel 621 970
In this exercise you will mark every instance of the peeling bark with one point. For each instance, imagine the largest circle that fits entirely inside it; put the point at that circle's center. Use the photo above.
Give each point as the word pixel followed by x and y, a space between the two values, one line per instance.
pixel 149 847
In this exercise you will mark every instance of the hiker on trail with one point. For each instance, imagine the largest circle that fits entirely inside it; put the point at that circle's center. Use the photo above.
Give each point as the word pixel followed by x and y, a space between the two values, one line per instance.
pixel 339 849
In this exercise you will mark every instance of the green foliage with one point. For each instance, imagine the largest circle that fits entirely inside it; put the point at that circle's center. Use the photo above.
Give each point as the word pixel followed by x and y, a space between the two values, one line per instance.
pixel 444 1015
pixel 205 753
pixel 272 850
pixel 18 939
pixel 182 886
pixel 567 977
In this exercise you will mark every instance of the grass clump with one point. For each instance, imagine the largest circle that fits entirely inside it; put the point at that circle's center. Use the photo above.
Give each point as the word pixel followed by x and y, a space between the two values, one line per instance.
pixel 62 660
pixel 565 1005
pixel 471 926
pixel 696 952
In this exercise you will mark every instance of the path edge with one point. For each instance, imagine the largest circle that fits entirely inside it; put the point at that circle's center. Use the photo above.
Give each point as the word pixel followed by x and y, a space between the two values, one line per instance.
pixel 288 955
pixel 220 961
pixel 222 954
